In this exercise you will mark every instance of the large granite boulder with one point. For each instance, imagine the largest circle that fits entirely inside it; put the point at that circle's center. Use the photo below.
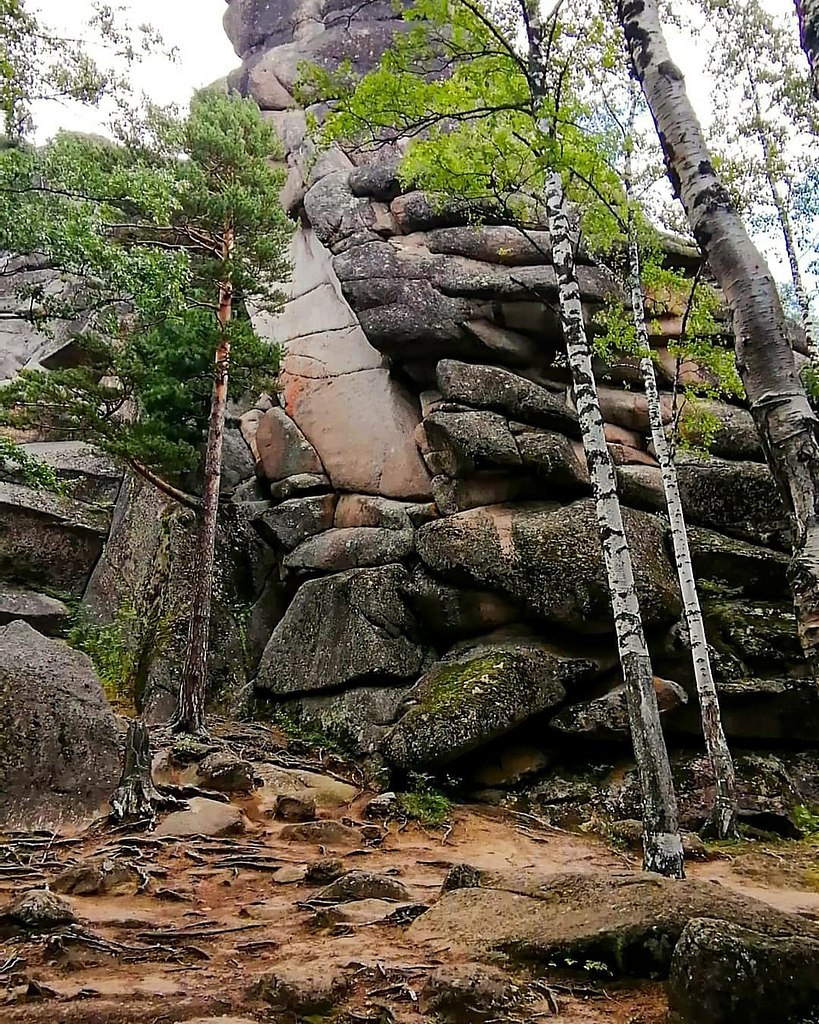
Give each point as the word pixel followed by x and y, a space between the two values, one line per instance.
pixel 477 694
pixel 353 628
pixel 549 559
pixel 722 973
pixel 59 739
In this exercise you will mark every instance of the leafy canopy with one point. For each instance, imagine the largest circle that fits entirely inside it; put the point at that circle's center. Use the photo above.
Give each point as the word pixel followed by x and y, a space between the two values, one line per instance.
pixel 138 231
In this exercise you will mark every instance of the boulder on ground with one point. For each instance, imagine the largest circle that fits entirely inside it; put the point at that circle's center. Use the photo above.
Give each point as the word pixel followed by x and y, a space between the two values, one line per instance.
pixel 301 989
pixel 59 739
pixel 341 629
pixel 364 885
pixel 469 994
pixel 226 773
pixel 475 695
pixel 550 560
pixel 204 818
pixel 722 974
pixel 35 911
pixel 630 923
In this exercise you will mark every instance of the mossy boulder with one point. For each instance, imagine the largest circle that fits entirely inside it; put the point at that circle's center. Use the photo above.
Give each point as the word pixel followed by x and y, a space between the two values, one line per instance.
pixel 549 559
pixel 761 635
pixel 722 973
pixel 475 695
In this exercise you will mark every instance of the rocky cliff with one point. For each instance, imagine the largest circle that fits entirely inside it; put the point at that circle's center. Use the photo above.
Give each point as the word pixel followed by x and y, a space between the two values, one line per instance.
pixel 420 482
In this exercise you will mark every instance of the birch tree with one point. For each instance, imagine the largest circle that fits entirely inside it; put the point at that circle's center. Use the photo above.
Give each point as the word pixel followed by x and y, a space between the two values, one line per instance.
pixel 787 425
pixel 502 128
pixel 765 132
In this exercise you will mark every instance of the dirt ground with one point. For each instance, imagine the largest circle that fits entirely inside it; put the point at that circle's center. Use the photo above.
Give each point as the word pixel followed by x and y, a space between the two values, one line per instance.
pixel 214 918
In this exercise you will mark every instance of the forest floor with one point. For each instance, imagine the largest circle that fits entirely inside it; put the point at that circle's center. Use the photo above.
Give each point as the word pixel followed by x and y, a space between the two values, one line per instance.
pixel 219 914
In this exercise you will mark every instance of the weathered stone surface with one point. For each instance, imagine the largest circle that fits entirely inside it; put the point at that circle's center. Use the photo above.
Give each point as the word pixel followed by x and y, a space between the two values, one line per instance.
pixel 737 498
pixel 358 718
pixel 455 612
pixel 470 993
pixel 476 695
pixel 204 817
pixel 59 740
pixel 355 548
pixel 629 409
pixel 48 540
pixel 463 442
pixel 35 911
pixel 508 762
pixel 226 773
pixel 98 876
pixel 736 437
pixel 301 483
pixel 295 807
pixel 238 461
pixel 722 973
pixel 607 716
pixel 492 244
pixel 46 614
pixel 328 833
pixel 631 924
pixel 283 450
pixel 86 473
pixel 323 790
pixel 757 637
pixel 490 387
pixel 371 510
pixel 301 990
pixel 503 344
pixel 549 560
pixel 364 885
pixel 485 488
pixel 747 568
pixel 362 424
pixel 348 628
pixel 362 912
pixel 554 459
pixel 293 521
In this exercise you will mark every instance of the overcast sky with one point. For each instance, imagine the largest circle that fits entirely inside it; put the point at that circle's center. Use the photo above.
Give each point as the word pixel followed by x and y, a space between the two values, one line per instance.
pixel 194 27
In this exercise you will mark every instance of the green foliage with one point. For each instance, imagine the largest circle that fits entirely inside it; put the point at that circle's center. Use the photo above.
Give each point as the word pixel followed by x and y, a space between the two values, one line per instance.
pixel 423 803
pixel 311 734
pixel 17 463
pixel 151 233
pixel 36 63
pixel 122 650
pixel 806 820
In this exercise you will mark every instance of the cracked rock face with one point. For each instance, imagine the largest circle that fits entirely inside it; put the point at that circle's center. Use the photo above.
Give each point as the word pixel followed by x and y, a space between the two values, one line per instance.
pixel 419 481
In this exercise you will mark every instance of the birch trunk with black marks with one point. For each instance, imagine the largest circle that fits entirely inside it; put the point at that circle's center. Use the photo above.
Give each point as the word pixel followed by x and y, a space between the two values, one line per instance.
pixel 808 13
pixel 723 819
pixel 662 848
pixel 787 425
pixel 189 716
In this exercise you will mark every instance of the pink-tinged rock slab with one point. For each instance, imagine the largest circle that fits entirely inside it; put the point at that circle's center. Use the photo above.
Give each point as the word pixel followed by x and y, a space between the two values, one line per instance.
pixel 362 425
pixel 283 450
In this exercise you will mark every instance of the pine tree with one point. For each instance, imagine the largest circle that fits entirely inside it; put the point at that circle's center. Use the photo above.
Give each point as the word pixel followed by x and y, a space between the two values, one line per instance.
pixel 168 240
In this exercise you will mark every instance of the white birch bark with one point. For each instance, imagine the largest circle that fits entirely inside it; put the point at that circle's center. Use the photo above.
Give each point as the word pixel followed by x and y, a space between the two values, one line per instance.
pixel 787 425
pixel 722 822
pixel 662 848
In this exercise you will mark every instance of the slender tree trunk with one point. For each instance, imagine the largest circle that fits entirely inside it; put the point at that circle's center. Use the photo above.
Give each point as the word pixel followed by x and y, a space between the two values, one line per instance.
pixel 787 425
pixel 722 822
pixel 772 179
pixel 808 14
pixel 189 716
pixel 136 798
pixel 662 849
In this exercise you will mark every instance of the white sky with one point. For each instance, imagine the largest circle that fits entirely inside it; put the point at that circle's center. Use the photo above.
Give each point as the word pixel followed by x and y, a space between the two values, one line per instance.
pixel 194 27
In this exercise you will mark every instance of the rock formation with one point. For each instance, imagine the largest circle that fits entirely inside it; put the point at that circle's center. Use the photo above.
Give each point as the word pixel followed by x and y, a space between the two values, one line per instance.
pixel 424 489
